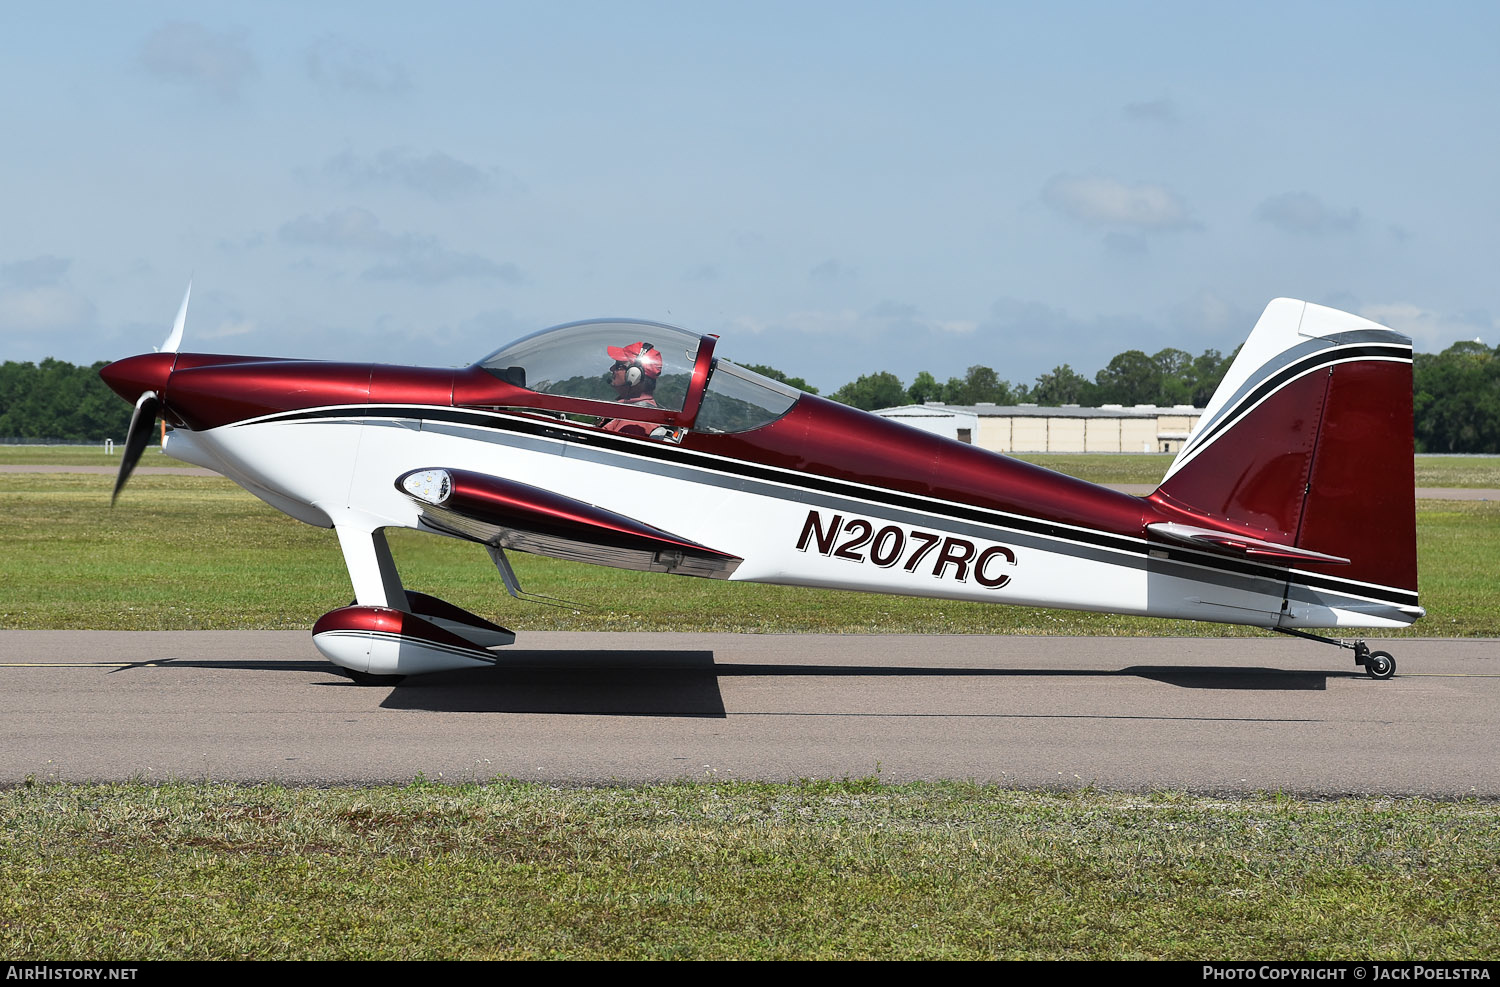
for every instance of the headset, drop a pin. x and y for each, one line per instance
(634, 373)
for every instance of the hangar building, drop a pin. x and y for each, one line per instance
(1029, 428)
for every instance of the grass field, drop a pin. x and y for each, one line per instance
(187, 552)
(79, 456)
(1431, 471)
(1459, 471)
(841, 870)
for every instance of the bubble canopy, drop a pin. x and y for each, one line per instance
(575, 361)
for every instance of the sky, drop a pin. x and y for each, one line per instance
(833, 188)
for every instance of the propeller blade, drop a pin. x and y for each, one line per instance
(175, 340)
(142, 421)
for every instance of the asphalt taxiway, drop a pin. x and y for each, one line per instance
(1195, 714)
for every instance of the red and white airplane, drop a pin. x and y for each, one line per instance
(628, 444)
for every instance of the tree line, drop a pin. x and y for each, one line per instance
(1456, 393)
(1169, 377)
(56, 400)
(1457, 399)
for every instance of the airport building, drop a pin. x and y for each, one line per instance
(1028, 428)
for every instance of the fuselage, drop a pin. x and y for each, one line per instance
(824, 495)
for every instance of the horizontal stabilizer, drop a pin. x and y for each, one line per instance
(510, 515)
(1229, 543)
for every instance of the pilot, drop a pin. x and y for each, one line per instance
(633, 376)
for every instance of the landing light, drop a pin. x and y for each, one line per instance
(431, 486)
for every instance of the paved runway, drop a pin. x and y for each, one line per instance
(1197, 714)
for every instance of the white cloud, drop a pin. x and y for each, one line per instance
(831, 270)
(35, 271)
(429, 264)
(1109, 202)
(351, 227)
(1207, 315)
(888, 308)
(891, 319)
(409, 256)
(1303, 212)
(239, 244)
(1031, 334)
(43, 309)
(1125, 243)
(229, 328)
(824, 323)
(189, 53)
(1162, 111)
(436, 174)
(747, 324)
(1432, 332)
(331, 61)
(887, 320)
(34, 297)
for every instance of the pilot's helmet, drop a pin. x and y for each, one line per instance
(640, 359)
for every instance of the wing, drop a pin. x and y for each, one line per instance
(506, 514)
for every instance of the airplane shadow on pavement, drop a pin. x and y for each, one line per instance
(686, 683)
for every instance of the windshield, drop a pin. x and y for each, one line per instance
(622, 360)
(740, 399)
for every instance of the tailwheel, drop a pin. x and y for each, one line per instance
(1380, 665)
(1377, 664)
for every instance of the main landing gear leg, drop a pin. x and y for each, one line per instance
(376, 584)
(371, 568)
(1377, 664)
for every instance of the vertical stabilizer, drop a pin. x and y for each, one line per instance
(1308, 442)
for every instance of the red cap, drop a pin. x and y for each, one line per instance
(642, 355)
